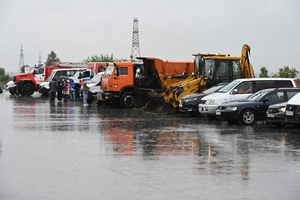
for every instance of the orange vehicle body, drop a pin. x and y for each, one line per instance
(128, 79)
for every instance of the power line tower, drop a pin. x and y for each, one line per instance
(135, 51)
(40, 59)
(21, 61)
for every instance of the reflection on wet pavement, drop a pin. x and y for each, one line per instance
(67, 151)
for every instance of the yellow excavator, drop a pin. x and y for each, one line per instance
(210, 70)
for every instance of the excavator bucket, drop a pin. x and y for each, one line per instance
(154, 103)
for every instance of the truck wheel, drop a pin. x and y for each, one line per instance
(248, 117)
(28, 89)
(127, 100)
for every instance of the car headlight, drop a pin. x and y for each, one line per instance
(210, 102)
(282, 109)
(191, 99)
(231, 108)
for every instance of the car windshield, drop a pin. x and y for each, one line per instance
(228, 87)
(256, 96)
(213, 89)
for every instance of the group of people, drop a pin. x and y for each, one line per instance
(63, 88)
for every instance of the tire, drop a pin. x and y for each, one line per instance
(127, 100)
(248, 117)
(28, 89)
(13, 91)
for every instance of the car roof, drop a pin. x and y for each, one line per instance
(264, 79)
(280, 89)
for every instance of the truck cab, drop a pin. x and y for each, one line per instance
(119, 85)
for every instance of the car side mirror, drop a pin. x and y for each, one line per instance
(234, 91)
(266, 100)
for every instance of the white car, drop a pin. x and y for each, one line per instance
(240, 89)
(292, 111)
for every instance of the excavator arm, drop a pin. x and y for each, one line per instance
(246, 66)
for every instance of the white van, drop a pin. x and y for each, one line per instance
(57, 73)
(240, 89)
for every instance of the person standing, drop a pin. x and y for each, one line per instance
(66, 90)
(53, 85)
(72, 90)
(85, 93)
(60, 89)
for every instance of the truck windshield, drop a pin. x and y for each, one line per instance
(209, 67)
(197, 61)
(109, 70)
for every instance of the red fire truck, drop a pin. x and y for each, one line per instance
(27, 83)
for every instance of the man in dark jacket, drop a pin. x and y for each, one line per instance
(53, 85)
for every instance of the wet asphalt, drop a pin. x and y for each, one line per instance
(64, 150)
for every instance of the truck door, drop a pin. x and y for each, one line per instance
(122, 77)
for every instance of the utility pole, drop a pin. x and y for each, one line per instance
(21, 61)
(135, 51)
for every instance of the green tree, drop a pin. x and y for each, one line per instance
(101, 58)
(52, 57)
(4, 78)
(263, 72)
(287, 72)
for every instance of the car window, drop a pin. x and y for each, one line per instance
(290, 94)
(260, 85)
(275, 97)
(284, 83)
(244, 88)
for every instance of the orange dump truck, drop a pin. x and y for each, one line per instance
(125, 82)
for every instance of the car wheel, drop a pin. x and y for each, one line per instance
(127, 100)
(248, 117)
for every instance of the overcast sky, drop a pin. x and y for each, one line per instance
(168, 29)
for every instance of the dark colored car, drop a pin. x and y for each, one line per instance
(255, 106)
(292, 111)
(276, 114)
(189, 103)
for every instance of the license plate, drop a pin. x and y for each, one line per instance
(289, 113)
(271, 115)
(218, 113)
